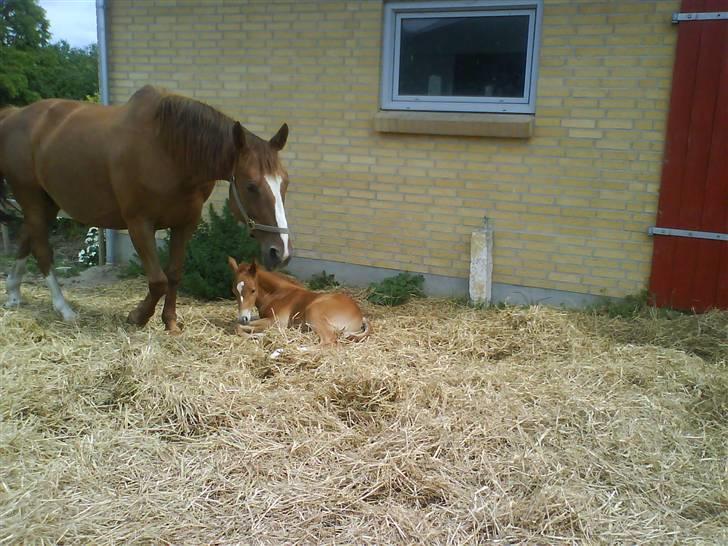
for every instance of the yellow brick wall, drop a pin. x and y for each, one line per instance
(570, 206)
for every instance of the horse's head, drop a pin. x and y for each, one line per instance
(259, 185)
(244, 288)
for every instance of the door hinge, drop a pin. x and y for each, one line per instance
(704, 16)
(688, 233)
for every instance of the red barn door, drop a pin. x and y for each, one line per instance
(690, 259)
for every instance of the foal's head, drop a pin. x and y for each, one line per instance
(261, 183)
(244, 288)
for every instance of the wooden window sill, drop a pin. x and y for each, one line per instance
(454, 123)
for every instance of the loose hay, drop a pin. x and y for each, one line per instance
(449, 425)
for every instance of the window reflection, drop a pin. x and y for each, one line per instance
(464, 56)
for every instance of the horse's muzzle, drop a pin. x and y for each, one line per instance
(272, 258)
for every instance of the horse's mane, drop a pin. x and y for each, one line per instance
(197, 135)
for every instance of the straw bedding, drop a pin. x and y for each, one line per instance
(450, 425)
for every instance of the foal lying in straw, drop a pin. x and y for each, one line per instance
(282, 301)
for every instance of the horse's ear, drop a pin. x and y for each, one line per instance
(233, 264)
(238, 136)
(252, 268)
(280, 138)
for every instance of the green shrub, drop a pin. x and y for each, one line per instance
(322, 281)
(68, 229)
(207, 274)
(634, 306)
(396, 290)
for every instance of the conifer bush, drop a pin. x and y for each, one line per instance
(207, 274)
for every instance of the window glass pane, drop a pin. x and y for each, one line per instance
(481, 56)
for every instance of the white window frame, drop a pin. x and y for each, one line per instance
(395, 12)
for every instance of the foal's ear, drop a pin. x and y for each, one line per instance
(252, 268)
(280, 138)
(238, 136)
(233, 264)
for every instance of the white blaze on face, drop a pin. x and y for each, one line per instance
(242, 313)
(275, 187)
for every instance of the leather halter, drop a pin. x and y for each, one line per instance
(247, 220)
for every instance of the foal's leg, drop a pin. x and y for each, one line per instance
(256, 326)
(15, 277)
(142, 235)
(178, 241)
(325, 331)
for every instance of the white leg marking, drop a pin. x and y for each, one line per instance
(13, 283)
(275, 186)
(59, 302)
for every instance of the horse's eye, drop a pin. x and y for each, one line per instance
(252, 188)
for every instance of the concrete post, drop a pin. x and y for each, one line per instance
(481, 263)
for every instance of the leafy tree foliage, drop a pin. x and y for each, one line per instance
(23, 24)
(31, 68)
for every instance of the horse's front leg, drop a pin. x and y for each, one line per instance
(178, 241)
(142, 235)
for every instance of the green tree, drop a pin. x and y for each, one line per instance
(31, 68)
(23, 24)
(65, 72)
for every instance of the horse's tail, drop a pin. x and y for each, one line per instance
(362, 334)
(6, 205)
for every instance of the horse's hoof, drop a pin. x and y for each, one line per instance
(136, 319)
(173, 330)
(69, 316)
(11, 304)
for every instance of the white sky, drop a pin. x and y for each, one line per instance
(71, 20)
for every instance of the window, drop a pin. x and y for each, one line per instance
(461, 56)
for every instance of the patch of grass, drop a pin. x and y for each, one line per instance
(397, 290)
(322, 281)
(633, 306)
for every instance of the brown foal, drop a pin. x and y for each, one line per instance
(283, 301)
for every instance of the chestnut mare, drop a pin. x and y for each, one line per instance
(283, 301)
(145, 165)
